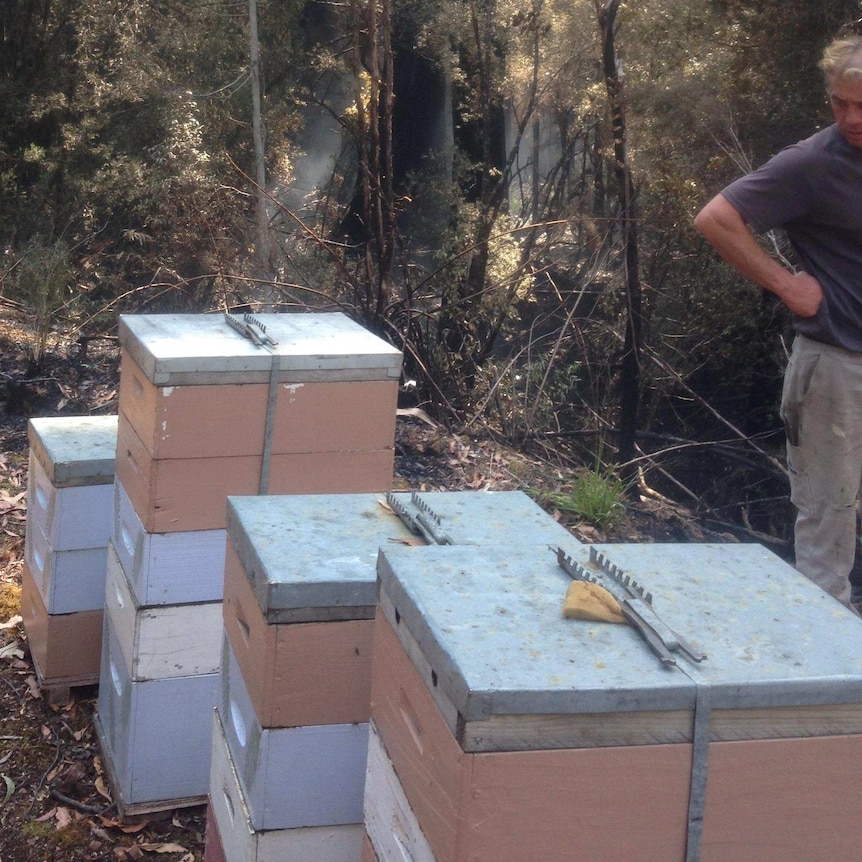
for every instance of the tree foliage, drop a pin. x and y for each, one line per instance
(446, 172)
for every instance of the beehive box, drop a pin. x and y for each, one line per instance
(392, 831)
(299, 601)
(68, 581)
(167, 568)
(313, 413)
(71, 473)
(69, 509)
(161, 641)
(300, 589)
(154, 734)
(65, 648)
(239, 842)
(292, 777)
(516, 734)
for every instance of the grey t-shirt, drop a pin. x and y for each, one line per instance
(813, 190)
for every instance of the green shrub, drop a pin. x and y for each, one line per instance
(594, 497)
(40, 281)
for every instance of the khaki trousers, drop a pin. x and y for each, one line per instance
(821, 408)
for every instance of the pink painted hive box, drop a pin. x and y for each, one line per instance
(306, 406)
(65, 648)
(300, 587)
(516, 734)
(299, 602)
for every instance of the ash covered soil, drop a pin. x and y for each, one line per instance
(55, 801)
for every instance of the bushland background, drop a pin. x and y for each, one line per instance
(504, 190)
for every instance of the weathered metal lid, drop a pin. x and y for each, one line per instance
(75, 450)
(198, 349)
(485, 517)
(304, 552)
(487, 622)
(312, 557)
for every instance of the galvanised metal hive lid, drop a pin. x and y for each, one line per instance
(312, 553)
(485, 623)
(75, 450)
(320, 551)
(479, 517)
(182, 349)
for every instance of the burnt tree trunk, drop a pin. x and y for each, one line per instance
(630, 390)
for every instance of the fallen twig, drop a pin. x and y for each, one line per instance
(80, 806)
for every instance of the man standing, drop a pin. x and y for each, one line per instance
(813, 190)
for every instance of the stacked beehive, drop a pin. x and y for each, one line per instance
(500, 730)
(306, 404)
(69, 518)
(291, 731)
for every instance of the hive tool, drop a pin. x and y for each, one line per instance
(635, 603)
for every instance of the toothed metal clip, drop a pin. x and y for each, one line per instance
(424, 522)
(430, 521)
(250, 327)
(635, 603)
(401, 510)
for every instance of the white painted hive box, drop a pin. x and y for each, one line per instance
(154, 734)
(69, 509)
(69, 493)
(167, 568)
(239, 842)
(161, 641)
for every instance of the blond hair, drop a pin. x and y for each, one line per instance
(842, 59)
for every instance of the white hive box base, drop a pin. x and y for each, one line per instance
(392, 830)
(162, 641)
(154, 734)
(167, 568)
(295, 776)
(242, 843)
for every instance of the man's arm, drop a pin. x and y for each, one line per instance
(725, 229)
